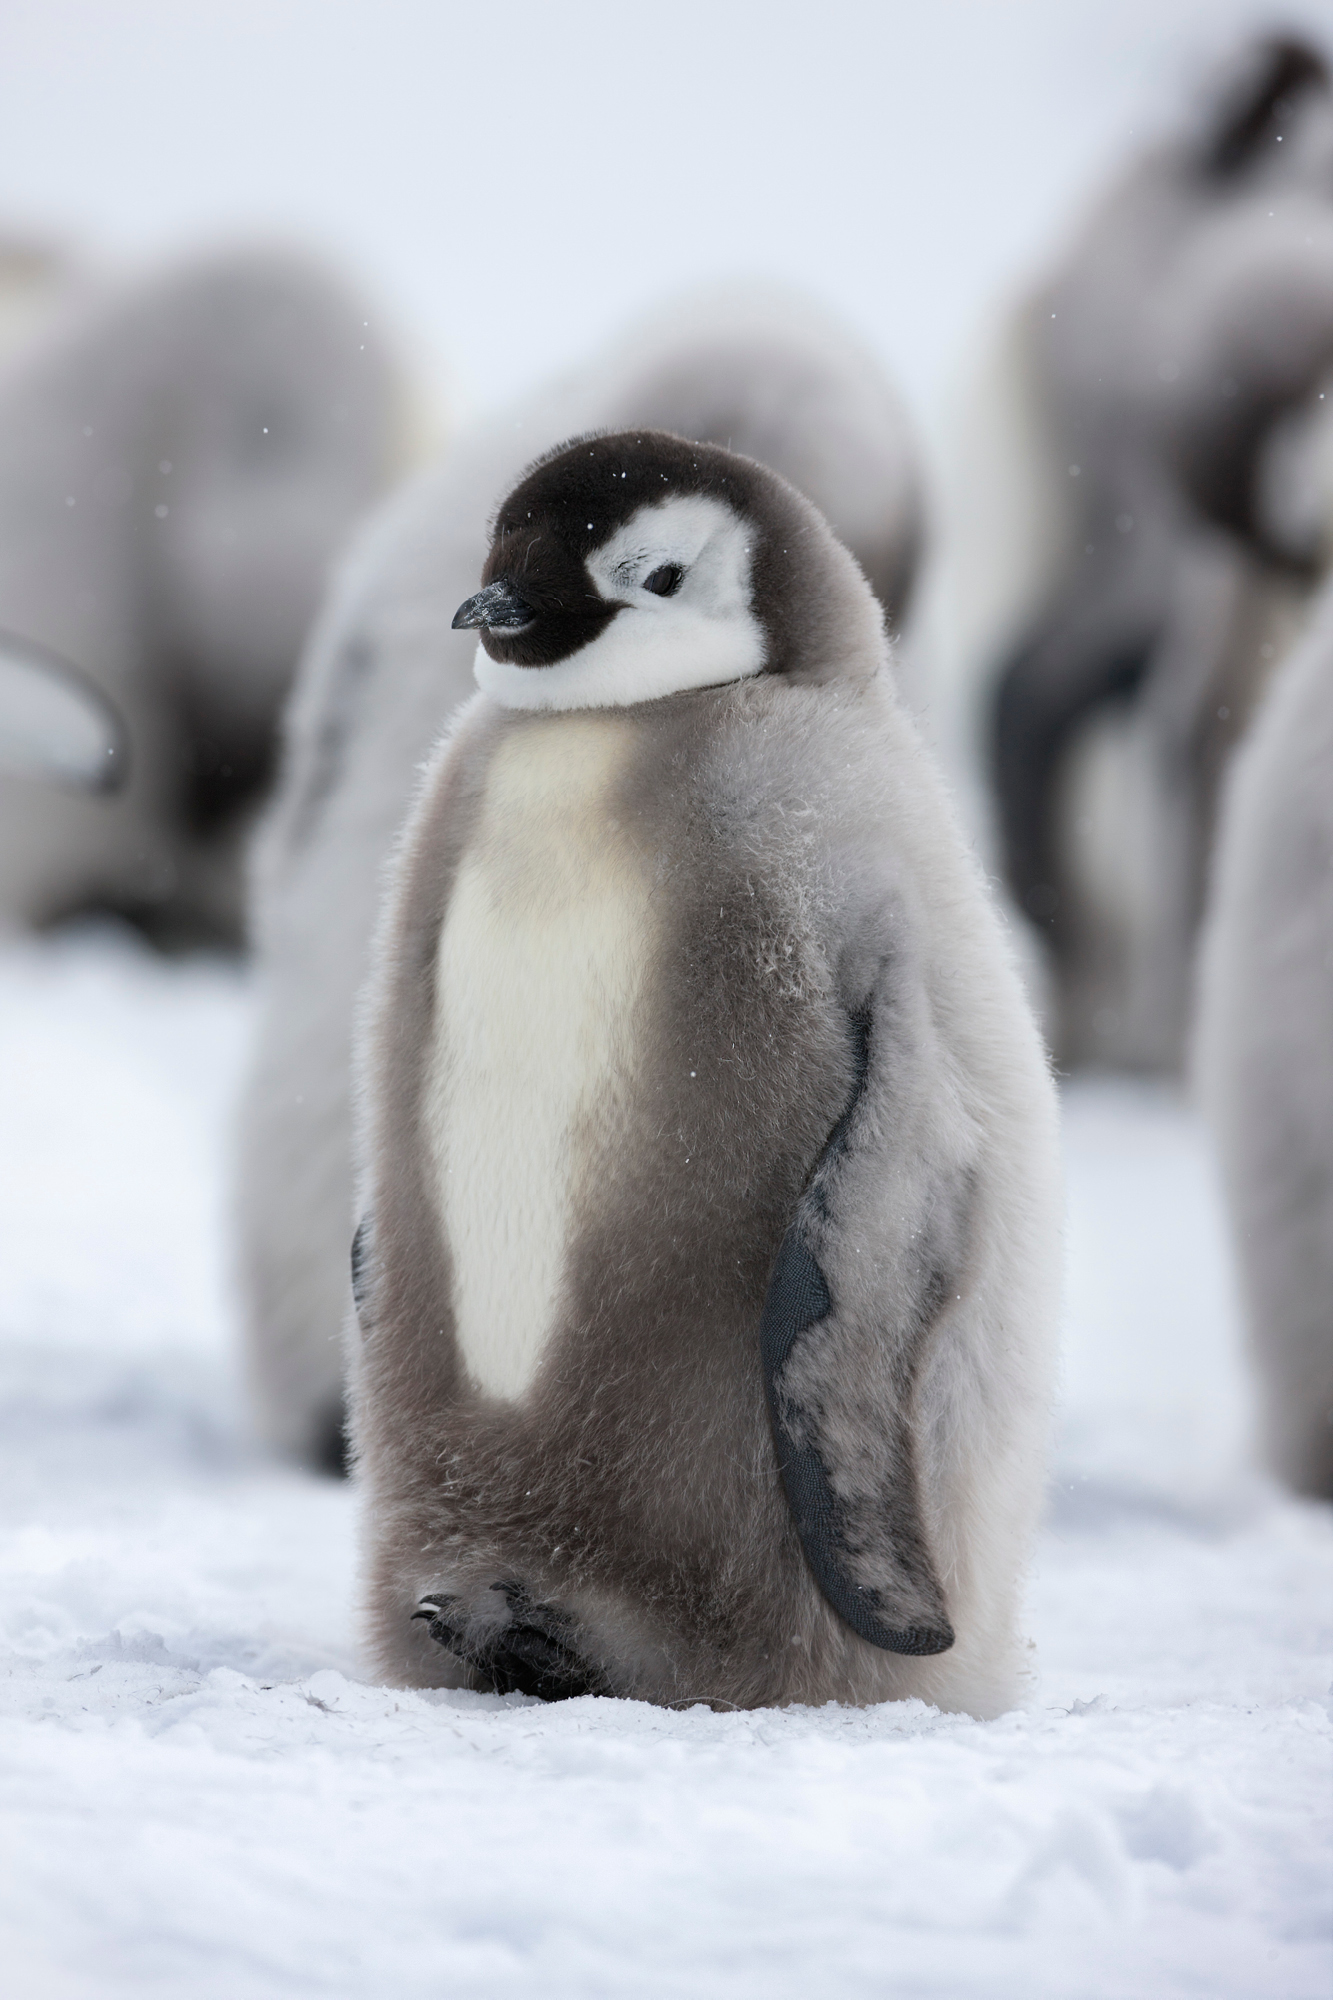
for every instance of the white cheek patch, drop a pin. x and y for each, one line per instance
(51, 725)
(704, 635)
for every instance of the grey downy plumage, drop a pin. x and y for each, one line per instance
(708, 1267)
(383, 673)
(1264, 1055)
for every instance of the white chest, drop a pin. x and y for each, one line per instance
(540, 970)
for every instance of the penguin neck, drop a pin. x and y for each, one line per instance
(636, 659)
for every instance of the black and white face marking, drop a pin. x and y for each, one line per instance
(621, 571)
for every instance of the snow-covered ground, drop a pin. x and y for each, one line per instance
(198, 1795)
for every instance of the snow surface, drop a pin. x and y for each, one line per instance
(199, 1796)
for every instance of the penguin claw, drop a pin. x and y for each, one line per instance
(434, 1608)
(528, 1654)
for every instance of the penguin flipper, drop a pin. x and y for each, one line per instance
(1086, 654)
(863, 1275)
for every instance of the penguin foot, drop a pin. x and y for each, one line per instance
(528, 1652)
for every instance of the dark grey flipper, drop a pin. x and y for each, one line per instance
(863, 1538)
(529, 1652)
(1261, 105)
(1082, 660)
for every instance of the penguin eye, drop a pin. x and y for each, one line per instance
(665, 580)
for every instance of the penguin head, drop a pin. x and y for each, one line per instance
(629, 567)
(1247, 306)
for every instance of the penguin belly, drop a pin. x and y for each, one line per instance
(540, 970)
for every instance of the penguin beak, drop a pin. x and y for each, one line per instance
(499, 608)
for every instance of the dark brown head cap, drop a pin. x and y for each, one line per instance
(678, 546)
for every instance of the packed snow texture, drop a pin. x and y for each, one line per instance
(201, 1795)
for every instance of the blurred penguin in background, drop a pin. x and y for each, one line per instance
(1265, 1050)
(180, 458)
(1169, 397)
(55, 727)
(769, 376)
(35, 274)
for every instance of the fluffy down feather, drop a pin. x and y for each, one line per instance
(381, 677)
(1265, 1051)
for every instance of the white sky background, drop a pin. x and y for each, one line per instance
(512, 181)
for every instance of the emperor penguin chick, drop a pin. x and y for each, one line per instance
(708, 1265)
(1265, 1051)
(382, 676)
